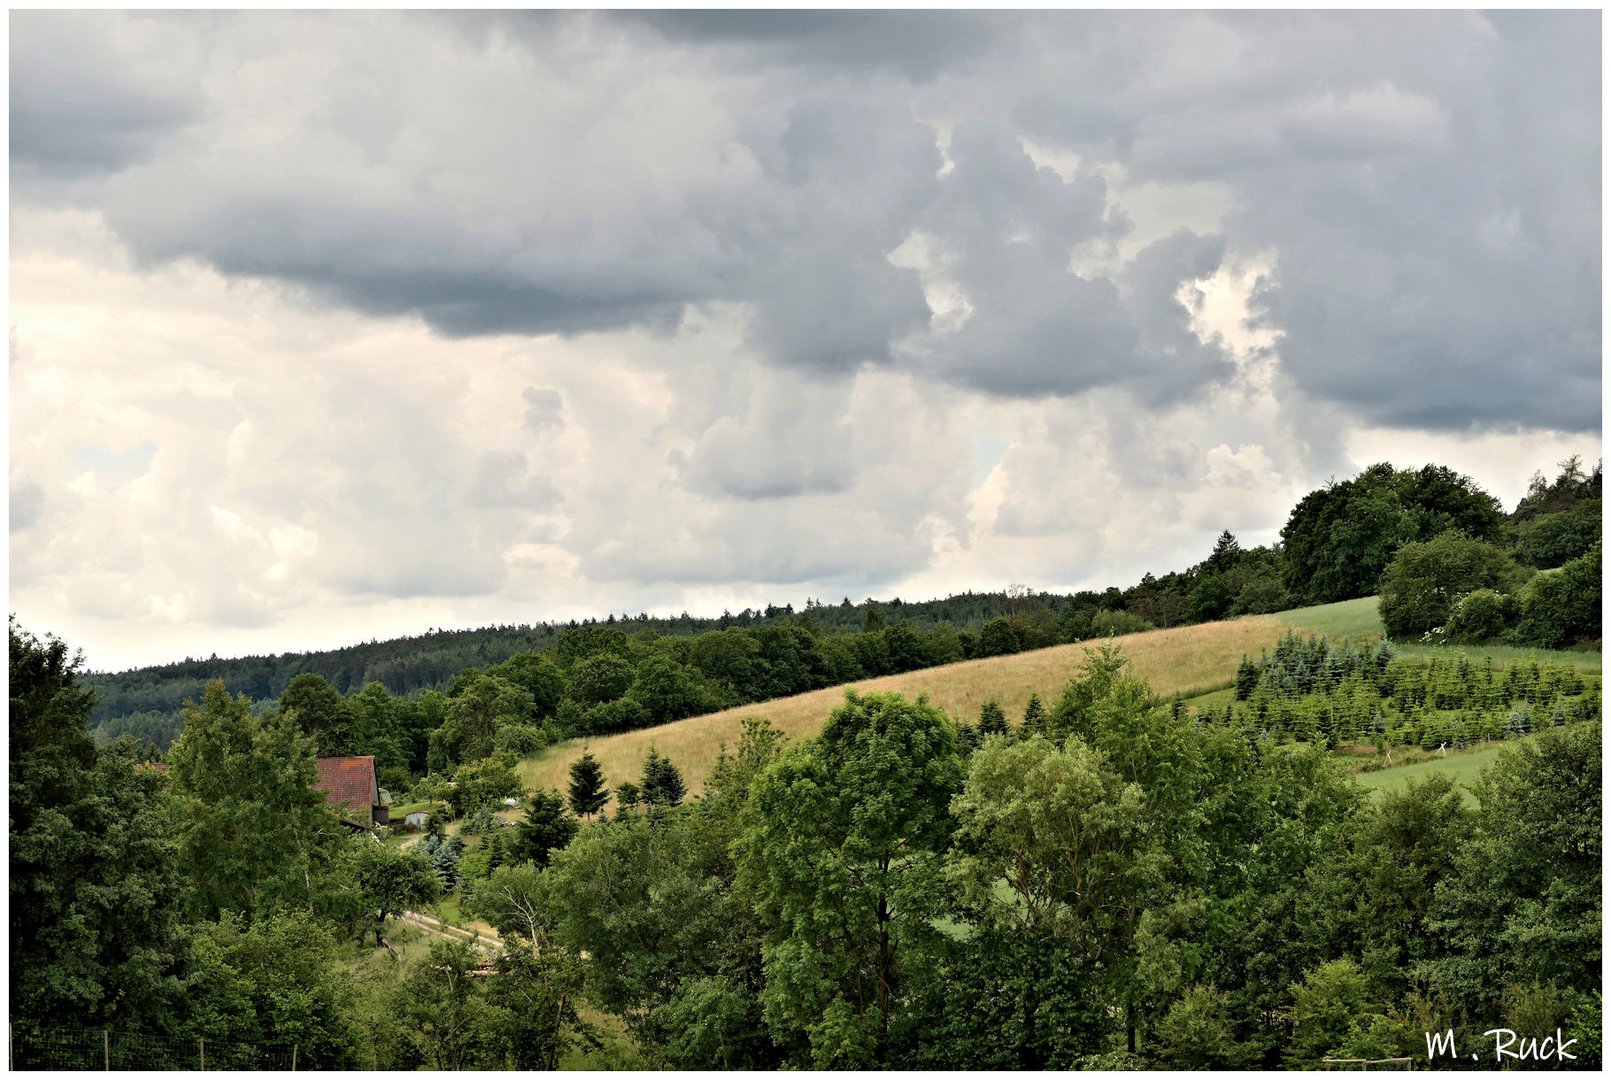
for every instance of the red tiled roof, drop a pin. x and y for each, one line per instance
(348, 781)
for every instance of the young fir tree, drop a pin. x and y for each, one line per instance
(1247, 677)
(992, 721)
(662, 784)
(547, 828)
(1034, 716)
(587, 792)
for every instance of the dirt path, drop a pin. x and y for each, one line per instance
(451, 933)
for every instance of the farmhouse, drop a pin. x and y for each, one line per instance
(351, 790)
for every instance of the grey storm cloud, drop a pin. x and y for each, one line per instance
(87, 103)
(917, 44)
(1425, 184)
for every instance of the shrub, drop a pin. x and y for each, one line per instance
(394, 778)
(1260, 596)
(519, 739)
(484, 783)
(998, 638)
(1480, 615)
(1562, 606)
(1422, 582)
(1555, 539)
(1114, 623)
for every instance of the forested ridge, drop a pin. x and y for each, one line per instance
(1338, 543)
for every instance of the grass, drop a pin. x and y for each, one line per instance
(1361, 621)
(434, 806)
(1584, 663)
(1196, 661)
(1190, 659)
(1355, 620)
(1463, 767)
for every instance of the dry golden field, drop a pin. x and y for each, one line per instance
(1187, 659)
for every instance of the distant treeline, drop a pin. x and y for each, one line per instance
(1336, 545)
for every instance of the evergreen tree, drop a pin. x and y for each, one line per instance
(546, 829)
(1034, 716)
(662, 784)
(992, 721)
(1226, 549)
(587, 792)
(1247, 677)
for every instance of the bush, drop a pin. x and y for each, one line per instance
(625, 714)
(1481, 615)
(519, 739)
(395, 779)
(484, 783)
(1261, 596)
(1420, 585)
(1562, 606)
(1114, 623)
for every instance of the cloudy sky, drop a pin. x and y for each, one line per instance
(326, 327)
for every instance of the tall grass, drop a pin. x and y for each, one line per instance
(1355, 620)
(1191, 659)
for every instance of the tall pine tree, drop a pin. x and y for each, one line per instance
(1034, 716)
(587, 792)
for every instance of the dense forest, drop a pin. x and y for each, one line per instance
(1425, 538)
(1110, 882)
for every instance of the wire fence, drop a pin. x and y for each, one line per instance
(105, 1049)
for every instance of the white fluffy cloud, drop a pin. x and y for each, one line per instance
(310, 343)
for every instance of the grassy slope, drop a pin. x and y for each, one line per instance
(1357, 620)
(1360, 620)
(1464, 768)
(1200, 659)
(1187, 659)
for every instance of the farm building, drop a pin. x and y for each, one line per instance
(351, 790)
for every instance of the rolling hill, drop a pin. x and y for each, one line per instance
(1188, 659)
(1196, 661)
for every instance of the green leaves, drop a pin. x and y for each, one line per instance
(391, 882)
(841, 857)
(1065, 833)
(254, 833)
(547, 828)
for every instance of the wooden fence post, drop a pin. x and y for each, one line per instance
(293, 1057)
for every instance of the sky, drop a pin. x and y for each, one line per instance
(327, 327)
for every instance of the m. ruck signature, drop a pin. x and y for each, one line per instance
(1507, 1044)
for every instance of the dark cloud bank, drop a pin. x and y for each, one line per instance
(1427, 184)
